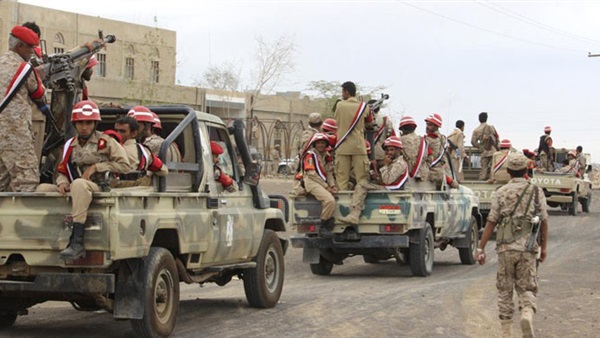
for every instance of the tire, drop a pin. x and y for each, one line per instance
(7, 319)
(323, 268)
(421, 253)
(160, 286)
(573, 205)
(284, 170)
(586, 203)
(264, 283)
(467, 255)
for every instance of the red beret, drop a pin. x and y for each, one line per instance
(26, 35)
(215, 148)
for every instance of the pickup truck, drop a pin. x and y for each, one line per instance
(405, 224)
(142, 242)
(564, 190)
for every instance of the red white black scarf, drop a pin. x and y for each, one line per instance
(363, 106)
(420, 156)
(500, 163)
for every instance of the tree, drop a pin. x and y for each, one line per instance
(331, 92)
(274, 60)
(225, 77)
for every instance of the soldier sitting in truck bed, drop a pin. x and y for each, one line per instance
(394, 174)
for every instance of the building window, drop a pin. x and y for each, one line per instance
(129, 68)
(154, 71)
(59, 50)
(101, 65)
(59, 39)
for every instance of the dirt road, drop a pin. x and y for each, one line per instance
(374, 300)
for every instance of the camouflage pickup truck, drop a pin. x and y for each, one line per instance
(142, 242)
(564, 190)
(406, 225)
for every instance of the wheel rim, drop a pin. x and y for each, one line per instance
(428, 253)
(271, 270)
(164, 290)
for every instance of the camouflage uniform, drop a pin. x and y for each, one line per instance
(154, 142)
(581, 164)
(304, 138)
(108, 156)
(18, 161)
(457, 155)
(315, 185)
(351, 153)
(546, 153)
(437, 144)
(500, 175)
(386, 129)
(480, 139)
(516, 266)
(411, 143)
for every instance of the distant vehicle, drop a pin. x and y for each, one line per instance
(287, 166)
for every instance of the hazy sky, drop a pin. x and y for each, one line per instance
(524, 62)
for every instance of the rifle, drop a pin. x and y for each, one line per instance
(376, 104)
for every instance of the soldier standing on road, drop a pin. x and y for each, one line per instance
(546, 151)
(581, 161)
(88, 159)
(514, 208)
(319, 182)
(350, 151)
(275, 158)
(416, 149)
(20, 83)
(457, 149)
(394, 174)
(485, 138)
(499, 173)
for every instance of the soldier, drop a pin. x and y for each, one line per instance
(415, 150)
(394, 174)
(546, 151)
(141, 159)
(319, 182)
(581, 161)
(485, 138)
(385, 130)
(275, 158)
(150, 126)
(350, 152)
(20, 83)
(515, 206)
(457, 149)
(531, 155)
(438, 144)
(314, 122)
(499, 173)
(220, 176)
(88, 158)
(570, 164)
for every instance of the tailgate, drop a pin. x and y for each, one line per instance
(555, 182)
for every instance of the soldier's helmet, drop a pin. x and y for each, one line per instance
(368, 145)
(436, 119)
(407, 120)
(85, 111)
(392, 141)
(547, 129)
(517, 161)
(572, 153)
(329, 125)
(318, 137)
(215, 148)
(141, 114)
(332, 140)
(315, 118)
(157, 123)
(505, 144)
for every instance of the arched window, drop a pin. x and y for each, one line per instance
(59, 43)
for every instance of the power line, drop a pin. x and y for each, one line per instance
(488, 30)
(505, 11)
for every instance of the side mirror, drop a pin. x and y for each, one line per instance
(252, 175)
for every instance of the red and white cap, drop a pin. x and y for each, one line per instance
(141, 114)
(319, 137)
(547, 129)
(392, 141)
(332, 139)
(157, 123)
(215, 148)
(505, 144)
(368, 145)
(572, 152)
(329, 125)
(407, 120)
(435, 119)
(85, 111)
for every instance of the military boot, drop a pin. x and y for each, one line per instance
(527, 322)
(506, 326)
(326, 227)
(352, 218)
(75, 249)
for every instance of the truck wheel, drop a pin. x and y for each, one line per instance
(421, 253)
(573, 205)
(586, 202)
(467, 255)
(160, 295)
(263, 284)
(7, 319)
(323, 268)
(284, 170)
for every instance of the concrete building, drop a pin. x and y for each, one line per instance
(139, 68)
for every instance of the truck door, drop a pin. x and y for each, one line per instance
(234, 216)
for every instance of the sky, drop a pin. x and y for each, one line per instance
(524, 62)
